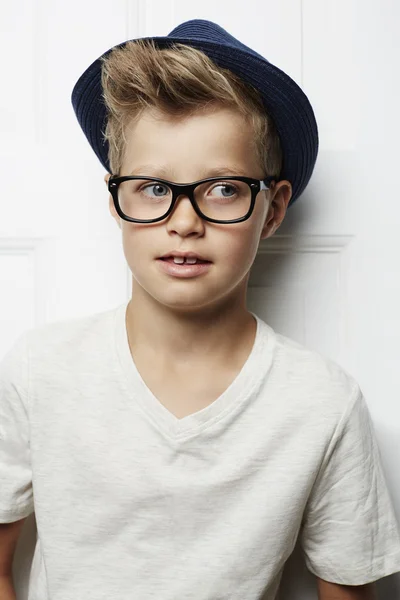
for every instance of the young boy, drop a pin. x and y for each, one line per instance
(176, 446)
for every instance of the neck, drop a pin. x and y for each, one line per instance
(184, 338)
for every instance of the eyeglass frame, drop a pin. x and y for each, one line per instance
(255, 185)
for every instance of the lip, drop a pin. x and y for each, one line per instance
(184, 255)
(183, 271)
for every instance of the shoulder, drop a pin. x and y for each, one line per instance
(69, 337)
(310, 381)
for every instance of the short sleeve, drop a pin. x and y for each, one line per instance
(16, 495)
(349, 533)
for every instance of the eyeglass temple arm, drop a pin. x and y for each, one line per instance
(265, 184)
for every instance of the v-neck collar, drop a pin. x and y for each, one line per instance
(246, 382)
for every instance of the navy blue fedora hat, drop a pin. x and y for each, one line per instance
(284, 100)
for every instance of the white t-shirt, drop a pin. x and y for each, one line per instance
(132, 502)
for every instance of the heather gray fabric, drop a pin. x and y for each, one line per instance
(132, 502)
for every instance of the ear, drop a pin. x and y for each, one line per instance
(280, 195)
(111, 205)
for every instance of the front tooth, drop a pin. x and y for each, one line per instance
(191, 261)
(179, 260)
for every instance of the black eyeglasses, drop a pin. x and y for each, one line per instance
(143, 199)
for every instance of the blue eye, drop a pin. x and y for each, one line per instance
(226, 186)
(158, 187)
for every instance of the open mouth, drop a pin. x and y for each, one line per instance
(184, 269)
(170, 259)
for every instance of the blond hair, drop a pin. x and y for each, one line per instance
(179, 81)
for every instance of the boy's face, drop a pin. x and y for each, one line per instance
(187, 149)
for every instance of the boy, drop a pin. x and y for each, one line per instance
(177, 446)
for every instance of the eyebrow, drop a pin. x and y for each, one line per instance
(160, 171)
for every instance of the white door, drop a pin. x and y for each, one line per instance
(329, 276)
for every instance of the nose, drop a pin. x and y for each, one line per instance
(185, 201)
(183, 217)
